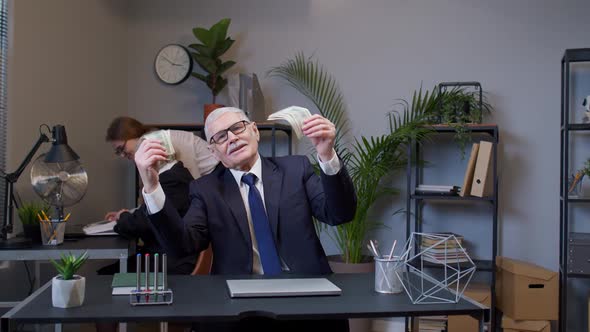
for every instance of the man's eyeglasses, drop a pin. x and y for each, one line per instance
(221, 136)
(120, 150)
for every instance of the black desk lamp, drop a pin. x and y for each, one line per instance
(60, 152)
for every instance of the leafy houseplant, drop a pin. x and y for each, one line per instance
(69, 264)
(68, 289)
(576, 180)
(29, 213)
(368, 159)
(214, 42)
(457, 108)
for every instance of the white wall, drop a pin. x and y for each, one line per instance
(67, 65)
(82, 62)
(382, 50)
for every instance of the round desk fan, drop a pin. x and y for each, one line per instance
(59, 184)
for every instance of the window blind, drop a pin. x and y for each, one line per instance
(3, 110)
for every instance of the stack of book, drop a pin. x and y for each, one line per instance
(448, 251)
(432, 323)
(428, 189)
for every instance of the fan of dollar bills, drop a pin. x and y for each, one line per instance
(294, 116)
(163, 136)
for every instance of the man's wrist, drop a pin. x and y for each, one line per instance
(154, 201)
(149, 189)
(327, 157)
(330, 166)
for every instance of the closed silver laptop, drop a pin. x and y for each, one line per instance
(281, 287)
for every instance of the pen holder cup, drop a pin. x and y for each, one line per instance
(387, 275)
(52, 232)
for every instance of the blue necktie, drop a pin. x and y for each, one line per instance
(266, 245)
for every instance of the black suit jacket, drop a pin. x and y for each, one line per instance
(293, 194)
(175, 183)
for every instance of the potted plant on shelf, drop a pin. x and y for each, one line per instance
(458, 107)
(575, 188)
(29, 214)
(368, 159)
(68, 288)
(207, 54)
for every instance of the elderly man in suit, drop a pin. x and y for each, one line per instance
(256, 212)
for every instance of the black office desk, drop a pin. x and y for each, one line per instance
(205, 298)
(98, 247)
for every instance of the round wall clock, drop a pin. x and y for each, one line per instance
(173, 64)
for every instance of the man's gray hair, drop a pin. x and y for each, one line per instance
(219, 112)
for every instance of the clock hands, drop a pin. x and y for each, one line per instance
(172, 63)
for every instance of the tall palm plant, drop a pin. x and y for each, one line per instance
(368, 159)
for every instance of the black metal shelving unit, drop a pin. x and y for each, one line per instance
(415, 202)
(570, 56)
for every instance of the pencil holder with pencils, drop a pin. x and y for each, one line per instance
(52, 232)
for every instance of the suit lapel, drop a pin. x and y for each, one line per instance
(272, 181)
(233, 198)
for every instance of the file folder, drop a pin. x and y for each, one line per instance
(482, 184)
(470, 171)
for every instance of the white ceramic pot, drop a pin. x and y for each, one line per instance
(68, 293)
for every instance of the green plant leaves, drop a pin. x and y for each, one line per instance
(203, 35)
(457, 108)
(224, 67)
(29, 212)
(214, 43)
(200, 76)
(201, 49)
(219, 31)
(368, 159)
(223, 46)
(220, 84)
(69, 264)
(309, 78)
(206, 63)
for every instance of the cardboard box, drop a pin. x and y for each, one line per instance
(465, 323)
(526, 291)
(511, 325)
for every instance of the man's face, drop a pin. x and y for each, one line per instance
(239, 150)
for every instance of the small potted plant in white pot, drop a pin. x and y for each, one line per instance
(68, 288)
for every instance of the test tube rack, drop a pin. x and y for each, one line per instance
(159, 293)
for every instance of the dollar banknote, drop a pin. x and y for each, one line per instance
(294, 116)
(162, 136)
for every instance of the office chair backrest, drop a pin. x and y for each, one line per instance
(204, 262)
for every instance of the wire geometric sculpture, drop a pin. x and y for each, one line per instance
(444, 252)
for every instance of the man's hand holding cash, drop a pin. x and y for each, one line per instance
(320, 130)
(155, 149)
(162, 136)
(294, 116)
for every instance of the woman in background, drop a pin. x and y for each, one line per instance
(192, 159)
(124, 134)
